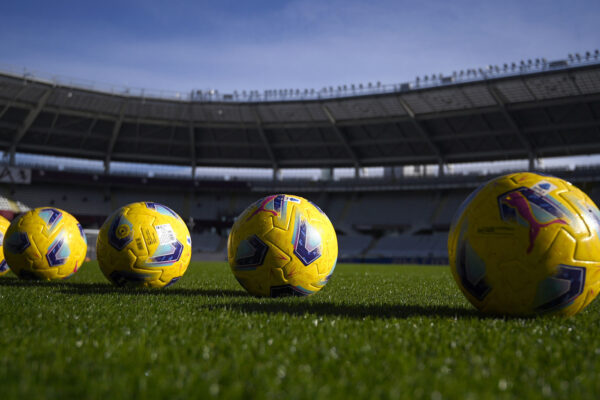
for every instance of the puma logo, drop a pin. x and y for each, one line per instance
(261, 207)
(518, 201)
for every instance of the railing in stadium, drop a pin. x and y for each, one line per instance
(406, 172)
(329, 92)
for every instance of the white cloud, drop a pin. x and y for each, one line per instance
(308, 44)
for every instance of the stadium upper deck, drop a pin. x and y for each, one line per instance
(549, 110)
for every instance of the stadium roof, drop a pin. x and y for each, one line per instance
(553, 111)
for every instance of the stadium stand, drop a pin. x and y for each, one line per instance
(382, 210)
(449, 201)
(550, 109)
(353, 246)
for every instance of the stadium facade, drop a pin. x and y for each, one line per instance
(520, 112)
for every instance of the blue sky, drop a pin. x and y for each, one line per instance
(184, 45)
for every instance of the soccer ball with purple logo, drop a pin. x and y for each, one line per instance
(144, 244)
(45, 244)
(526, 244)
(282, 245)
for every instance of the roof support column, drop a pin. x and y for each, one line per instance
(192, 149)
(113, 138)
(13, 100)
(27, 124)
(342, 138)
(326, 174)
(441, 169)
(192, 133)
(514, 126)
(424, 133)
(265, 140)
(531, 166)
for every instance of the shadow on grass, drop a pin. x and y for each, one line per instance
(356, 311)
(87, 289)
(269, 306)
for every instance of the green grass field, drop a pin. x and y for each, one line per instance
(372, 332)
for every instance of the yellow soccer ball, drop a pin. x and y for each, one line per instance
(282, 245)
(144, 244)
(526, 244)
(4, 224)
(45, 243)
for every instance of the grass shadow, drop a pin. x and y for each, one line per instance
(269, 306)
(88, 289)
(354, 311)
